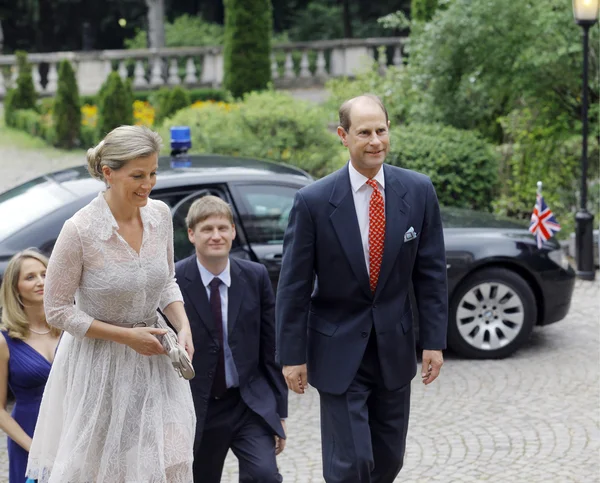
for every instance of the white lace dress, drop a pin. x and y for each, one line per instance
(109, 414)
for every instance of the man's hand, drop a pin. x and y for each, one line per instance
(432, 363)
(280, 442)
(296, 378)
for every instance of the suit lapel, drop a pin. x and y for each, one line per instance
(235, 295)
(196, 292)
(396, 220)
(345, 224)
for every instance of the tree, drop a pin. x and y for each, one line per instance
(247, 50)
(114, 105)
(156, 23)
(67, 110)
(423, 10)
(513, 72)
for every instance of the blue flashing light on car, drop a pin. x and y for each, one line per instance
(181, 141)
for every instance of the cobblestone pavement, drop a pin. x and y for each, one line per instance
(534, 417)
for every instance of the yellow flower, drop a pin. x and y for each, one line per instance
(89, 115)
(143, 113)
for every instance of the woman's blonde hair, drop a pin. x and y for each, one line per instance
(14, 319)
(122, 144)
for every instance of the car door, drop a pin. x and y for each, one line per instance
(264, 211)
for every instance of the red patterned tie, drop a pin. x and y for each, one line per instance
(376, 233)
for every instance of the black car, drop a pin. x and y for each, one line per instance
(500, 283)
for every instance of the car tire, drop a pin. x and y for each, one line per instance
(492, 313)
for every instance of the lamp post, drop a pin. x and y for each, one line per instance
(586, 15)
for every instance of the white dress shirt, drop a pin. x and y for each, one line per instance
(361, 192)
(231, 375)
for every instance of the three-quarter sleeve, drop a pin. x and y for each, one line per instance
(171, 293)
(62, 280)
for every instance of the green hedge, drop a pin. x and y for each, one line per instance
(32, 123)
(266, 125)
(463, 167)
(202, 94)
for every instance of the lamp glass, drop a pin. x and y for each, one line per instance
(585, 10)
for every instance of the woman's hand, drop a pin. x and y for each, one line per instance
(143, 340)
(184, 337)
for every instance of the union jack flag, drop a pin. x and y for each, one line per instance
(543, 224)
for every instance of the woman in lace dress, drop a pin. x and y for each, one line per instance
(114, 409)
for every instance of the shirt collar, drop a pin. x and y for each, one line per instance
(207, 277)
(106, 225)
(358, 180)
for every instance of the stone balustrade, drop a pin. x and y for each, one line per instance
(294, 65)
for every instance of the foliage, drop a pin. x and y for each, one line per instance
(67, 111)
(394, 21)
(265, 125)
(184, 31)
(25, 96)
(472, 69)
(9, 110)
(33, 123)
(114, 106)
(199, 94)
(318, 21)
(543, 152)
(423, 10)
(462, 166)
(175, 100)
(393, 87)
(247, 49)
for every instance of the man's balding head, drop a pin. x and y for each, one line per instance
(364, 100)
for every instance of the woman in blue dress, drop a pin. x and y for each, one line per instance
(27, 348)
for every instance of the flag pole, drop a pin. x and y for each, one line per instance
(539, 188)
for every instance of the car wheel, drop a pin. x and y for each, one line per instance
(492, 313)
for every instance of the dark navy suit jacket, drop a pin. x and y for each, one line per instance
(327, 325)
(251, 330)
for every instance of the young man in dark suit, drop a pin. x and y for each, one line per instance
(239, 392)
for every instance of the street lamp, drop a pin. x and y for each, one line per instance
(586, 15)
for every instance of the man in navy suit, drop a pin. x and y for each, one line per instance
(355, 242)
(239, 391)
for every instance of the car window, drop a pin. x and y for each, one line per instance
(21, 206)
(182, 246)
(267, 211)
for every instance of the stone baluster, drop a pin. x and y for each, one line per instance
(274, 67)
(139, 75)
(397, 59)
(321, 64)
(107, 68)
(337, 64)
(52, 85)
(190, 72)
(289, 66)
(156, 78)
(37, 78)
(209, 74)
(174, 73)
(122, 70)
(304, 66)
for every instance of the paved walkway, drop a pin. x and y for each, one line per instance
(531, 418)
